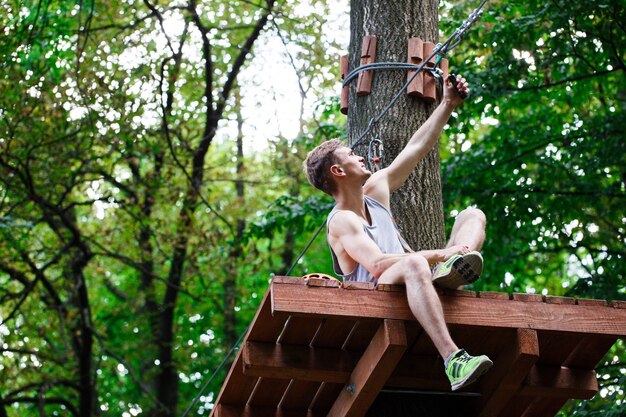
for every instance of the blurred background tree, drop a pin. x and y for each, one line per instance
(149, 186)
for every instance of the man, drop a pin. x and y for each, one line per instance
(366, 246)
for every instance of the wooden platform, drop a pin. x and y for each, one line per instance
(317, 349)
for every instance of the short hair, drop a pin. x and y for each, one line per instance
(318, 162)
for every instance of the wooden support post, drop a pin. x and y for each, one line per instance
(509, 371)
(248, 411)
(415, 56)
(368, 56)
(345, 92)
(371, 372)
(430, 83)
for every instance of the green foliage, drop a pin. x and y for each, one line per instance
(107, 116)
(103, 114)
(540, 148)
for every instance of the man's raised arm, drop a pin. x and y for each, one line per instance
(423, 139)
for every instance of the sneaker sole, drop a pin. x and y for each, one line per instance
(464, 271)
(470, 378)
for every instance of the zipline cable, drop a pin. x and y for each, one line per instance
(219, 368)
(440, 49)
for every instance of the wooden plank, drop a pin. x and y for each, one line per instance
(372, 370)
(591, 302)
(560, 382)
(299, 330)
(423, 345)
(238, 387)
(557, 346)
(354, 285)
(550, 299)
(268, 391)
(588, 352)
(361, 335)
(508, 373)
(391, 287)
(222, 410)
(333, 333)
(482, 340)
(325, 397)
(281, 279)
(528, 298)
(477, 312)
(458, 293)
(266, 326)
(297, 362)
(494, 295)
(299, 395)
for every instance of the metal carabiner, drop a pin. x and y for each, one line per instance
(375, 151)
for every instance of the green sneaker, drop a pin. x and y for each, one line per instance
(459, 270)
(463, 369)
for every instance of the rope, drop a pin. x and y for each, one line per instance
(219, 368)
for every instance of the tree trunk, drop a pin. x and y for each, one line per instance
(417, 206)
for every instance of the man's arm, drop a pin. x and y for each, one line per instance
(346, 234)
(418, 146)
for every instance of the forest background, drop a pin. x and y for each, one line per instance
(150, 180)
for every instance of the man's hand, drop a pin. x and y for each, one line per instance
(450, 94)
(447, 253)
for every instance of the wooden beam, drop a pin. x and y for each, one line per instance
(297, 362)
(356, 304)
(377, 363)
(560, 382)
(222, 410)
(510, 369)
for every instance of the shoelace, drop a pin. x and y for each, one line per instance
(463, 357)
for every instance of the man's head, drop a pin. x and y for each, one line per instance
(317, 165)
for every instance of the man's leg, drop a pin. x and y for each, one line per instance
(415, 274)
(468, 230)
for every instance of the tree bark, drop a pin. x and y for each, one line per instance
(417, 206)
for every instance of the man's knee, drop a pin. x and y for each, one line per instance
(472, 214)
(416, 267)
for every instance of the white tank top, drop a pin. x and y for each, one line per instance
(383, 231)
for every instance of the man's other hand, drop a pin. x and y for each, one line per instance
(450, 94)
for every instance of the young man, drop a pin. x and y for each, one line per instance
(366, 246)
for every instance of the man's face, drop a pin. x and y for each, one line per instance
(352, 164)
